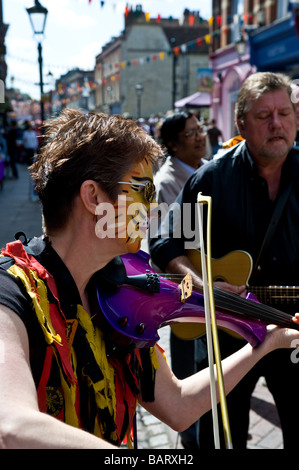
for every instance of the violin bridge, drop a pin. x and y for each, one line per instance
(186, 288)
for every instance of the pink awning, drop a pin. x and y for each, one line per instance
(196, 100)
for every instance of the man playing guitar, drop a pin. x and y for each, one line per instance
(255, 209)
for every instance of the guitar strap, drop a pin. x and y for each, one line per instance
(273, 223)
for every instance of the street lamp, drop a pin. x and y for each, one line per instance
(139, 91)
(38, 16)
(240, 46)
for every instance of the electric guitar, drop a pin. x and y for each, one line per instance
(236, 267)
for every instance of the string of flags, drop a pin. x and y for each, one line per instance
(245, 18)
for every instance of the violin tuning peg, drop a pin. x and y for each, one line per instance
(123, 321)
(140, 328)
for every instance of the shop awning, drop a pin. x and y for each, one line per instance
(197, 100)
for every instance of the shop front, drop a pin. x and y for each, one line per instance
(276, 47)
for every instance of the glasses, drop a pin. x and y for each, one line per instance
(191, 133)
(149, 189)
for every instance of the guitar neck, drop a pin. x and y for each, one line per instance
(249, 308)
(271, 295)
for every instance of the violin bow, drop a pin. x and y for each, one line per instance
(211, 328)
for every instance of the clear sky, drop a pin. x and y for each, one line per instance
(75, 33)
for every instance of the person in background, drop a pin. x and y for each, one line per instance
(12, 148)
(255, 180)
(185, 144)
(215, 136)
(30, 143)
(3, 157)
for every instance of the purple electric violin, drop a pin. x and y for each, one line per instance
(136, 302)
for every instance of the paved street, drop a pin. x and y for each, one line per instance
(17, 210)
(19, 213)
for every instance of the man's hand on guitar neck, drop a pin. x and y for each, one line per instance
(182, 265)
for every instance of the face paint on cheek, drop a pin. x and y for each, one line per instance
(112, 219)
(120, 217)
(137, 223)
(104, 214)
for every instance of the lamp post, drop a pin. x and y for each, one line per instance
(38, 16)
(174, 64)
(139, 91)
(240, 46)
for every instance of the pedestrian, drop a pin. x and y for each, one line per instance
(30, 143)
(185, 144)
(12, 148)
(254, 188)
(66, 379)
(215, 136)
(3, 157)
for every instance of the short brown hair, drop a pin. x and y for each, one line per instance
(256, 85)
(78, 147)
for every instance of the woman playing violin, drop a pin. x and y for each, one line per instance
(59, 370)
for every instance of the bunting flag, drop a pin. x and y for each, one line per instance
(191, 20)
(102, 3)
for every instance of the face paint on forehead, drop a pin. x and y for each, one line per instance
(138, 184)
(141, 171)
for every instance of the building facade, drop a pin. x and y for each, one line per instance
(74, 90)
(153, 63)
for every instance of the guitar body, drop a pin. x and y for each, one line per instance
(234, 268)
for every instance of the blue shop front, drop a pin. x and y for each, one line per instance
(275, 47)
